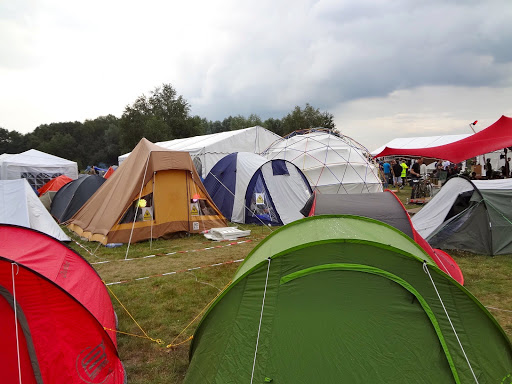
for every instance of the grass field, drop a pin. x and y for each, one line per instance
(164, 306)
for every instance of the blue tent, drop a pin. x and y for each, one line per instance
(248, 188)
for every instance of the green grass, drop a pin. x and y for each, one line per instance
(165, 305)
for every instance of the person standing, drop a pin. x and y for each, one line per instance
(403, 175)
(387, 172)
(488, 169)
(423, 169)
(507, 168)
(396, 169)
(415, 173)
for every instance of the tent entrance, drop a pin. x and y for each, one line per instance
(259, 205)
(355, 322)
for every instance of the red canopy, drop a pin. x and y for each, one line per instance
(54, 184)
(492, 138)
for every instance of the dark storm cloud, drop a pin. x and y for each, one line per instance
(332, 52)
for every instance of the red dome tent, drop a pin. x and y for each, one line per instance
(62, 308)
(54, 184)
(385, 207)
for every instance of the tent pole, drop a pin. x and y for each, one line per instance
(188, 201)
(137, 207)
(153, 215)
(15, 305)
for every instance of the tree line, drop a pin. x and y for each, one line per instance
(161, 116)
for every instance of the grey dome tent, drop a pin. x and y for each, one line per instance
(471, 215)
(346, 299)
(72, 196)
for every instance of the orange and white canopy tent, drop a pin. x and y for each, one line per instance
(154, 192)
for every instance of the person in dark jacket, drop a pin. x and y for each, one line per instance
(488, 169)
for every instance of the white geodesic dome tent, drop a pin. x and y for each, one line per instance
(331, 162)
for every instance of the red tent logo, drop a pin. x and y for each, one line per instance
(92, 365)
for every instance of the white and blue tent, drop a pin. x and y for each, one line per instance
(249, 188)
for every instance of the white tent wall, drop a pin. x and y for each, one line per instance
(19, 205)
(289, 192)
(209, 149)
(36, 166)
(332, 164)
(247, 164)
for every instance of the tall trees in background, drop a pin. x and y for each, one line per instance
(306, 118)
(163, 115)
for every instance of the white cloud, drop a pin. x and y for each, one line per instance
(374, 64)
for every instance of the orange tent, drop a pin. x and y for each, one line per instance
(54, 184)
(153, 193)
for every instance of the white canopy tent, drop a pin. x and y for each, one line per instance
(207, 150)
(420, 142)
(19, 205)
(36, 166)
(332, 163)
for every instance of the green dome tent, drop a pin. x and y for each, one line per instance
(332, 299)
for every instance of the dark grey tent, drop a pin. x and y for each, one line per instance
(385, 207)
(471, 215)
(72, 196)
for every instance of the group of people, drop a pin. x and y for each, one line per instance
(505, 169)
(396, 172)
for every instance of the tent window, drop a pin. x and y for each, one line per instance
(37, 180)
(461, 204)
(201, 207)
(261, 208)
(279, 168)
(144, 213)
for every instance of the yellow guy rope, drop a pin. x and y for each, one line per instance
(172, 345)
(158, 341)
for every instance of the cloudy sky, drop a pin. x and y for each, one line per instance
(384, 68)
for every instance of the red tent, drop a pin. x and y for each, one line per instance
(385, 207)
(109, 172)
(62, 307)
(492, 138)
(54, 184)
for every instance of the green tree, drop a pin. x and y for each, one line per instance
(5, 140)
(307, 118)
(164, 115)
(274, 125)
(99, 141)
